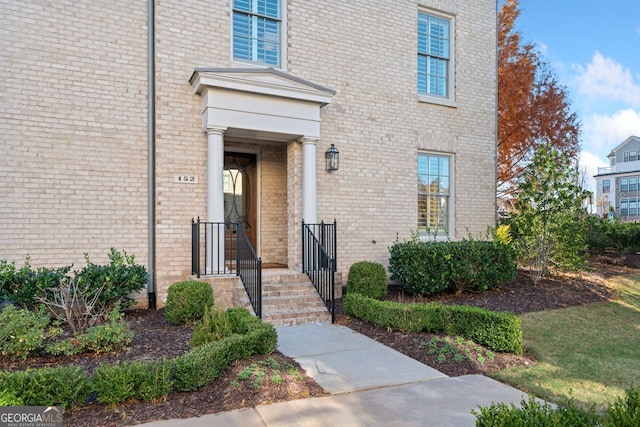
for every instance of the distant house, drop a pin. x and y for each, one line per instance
(618, 185)
(123, 121)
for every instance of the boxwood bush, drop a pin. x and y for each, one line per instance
(146, 380)
(497, 331)
(65, 386)
(368, 278)
(203, 364)
(431, 267)
(186, 301)
(143, 380)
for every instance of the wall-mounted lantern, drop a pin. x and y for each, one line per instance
(333, 158)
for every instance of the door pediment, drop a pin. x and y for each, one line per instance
(260, 100)
(265, 81)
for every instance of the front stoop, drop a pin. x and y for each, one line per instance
(288, 298)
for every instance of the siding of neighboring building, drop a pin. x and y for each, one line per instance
(74, 125)
(619, 195)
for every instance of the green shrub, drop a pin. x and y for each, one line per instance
(23, 332)
(200, 366)
(115, 281)
(8, 398)
(118, 279)
(497, 331)
(144, 380)
(23, 286)
(534, 413)
(625, 412)
(65, 386)
(368, 278)
(213, 326)
(604, 235)
(104, 338)
(203, 364)
(111, 336)
(241, 319)
(186, 301)
(431, 267)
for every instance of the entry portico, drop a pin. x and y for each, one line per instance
(260, 105)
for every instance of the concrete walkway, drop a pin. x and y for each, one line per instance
(370, 385)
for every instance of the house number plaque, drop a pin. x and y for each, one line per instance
(185, 179)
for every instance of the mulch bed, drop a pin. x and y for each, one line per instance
(155, 338)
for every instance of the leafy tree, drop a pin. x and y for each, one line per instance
(547, 221)
(533, 108)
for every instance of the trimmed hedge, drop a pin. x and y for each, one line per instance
(65, 386)
(431, 267)
(497, 331)
(368, 278)
(145, 380)
(206, 362)
(186, 301)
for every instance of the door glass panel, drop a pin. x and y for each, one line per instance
(237, 190)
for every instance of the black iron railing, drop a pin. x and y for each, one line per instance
(319, 256)
(213, 247)
(249, 268)
(224, 248)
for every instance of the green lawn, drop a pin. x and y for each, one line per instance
(590, 353)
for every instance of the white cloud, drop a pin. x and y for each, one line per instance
(589, 164)
(605, 80)
(601, 133)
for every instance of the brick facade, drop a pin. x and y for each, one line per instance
(73, 168)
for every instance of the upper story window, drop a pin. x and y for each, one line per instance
(435, 62)
(606, 185)
(434, 192)
(630, 156)
(633, 183)
(257, 31)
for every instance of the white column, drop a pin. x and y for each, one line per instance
(215, 199)
(309, 200)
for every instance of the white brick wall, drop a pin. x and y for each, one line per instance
(73, 162)
(73, 126)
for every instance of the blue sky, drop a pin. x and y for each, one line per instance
(594, 49)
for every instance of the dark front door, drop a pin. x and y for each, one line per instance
(240, 191)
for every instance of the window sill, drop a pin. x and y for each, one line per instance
(439, 101)
(440, 237)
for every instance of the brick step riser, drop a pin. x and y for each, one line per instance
(284, 279)
(268, 306)
(286, 321)
(288, 299)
